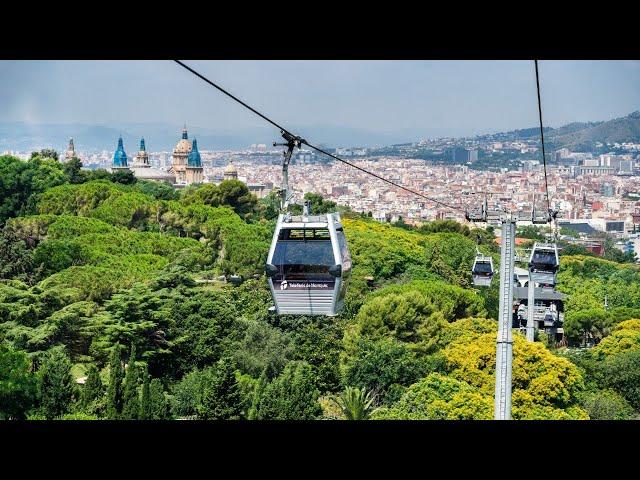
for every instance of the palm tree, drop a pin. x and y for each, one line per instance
(356, 403)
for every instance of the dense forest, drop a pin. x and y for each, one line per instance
(114, 304)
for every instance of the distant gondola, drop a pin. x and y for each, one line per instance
(308, 265)
(482, 271)
(543, 263)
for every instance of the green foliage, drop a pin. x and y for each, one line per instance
(145, 400)
(131, 210)
(125, 177)
(73, 170)
(439, 397)
(17, 384)
(21, 182)
(589, 323)
(220, 395)
(383, 367)
(114, 392)
(319, 206)
(130, 397)
(319, 343)
(416, 313)
(158, 401)
(56, 384)
(185, 395)
(291, 396)
(45, 153)
(356, 404)
(93, 391)
(232, 193)
(262, 348)
(157, 190)
(16, 260)
(606, 405)
(625, 336)
(545, 386)
(622, 373)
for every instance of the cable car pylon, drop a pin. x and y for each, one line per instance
(504, 339)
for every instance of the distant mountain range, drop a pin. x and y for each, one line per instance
(579, 136)
(22, 136)
(163, 137)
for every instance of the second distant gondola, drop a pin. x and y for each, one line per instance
(543, 263)
(482, 271)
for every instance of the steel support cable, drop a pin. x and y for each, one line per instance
(284, 130)
(544, 156)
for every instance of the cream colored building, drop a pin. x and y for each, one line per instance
(186, 164)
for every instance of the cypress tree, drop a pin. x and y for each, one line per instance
(257, 395)
(131, 400)
(145, 403)
(159, 406)
(93, 388)
(56, 383)
(114, 393)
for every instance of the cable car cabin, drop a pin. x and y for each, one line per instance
(543, 263)
(540, 217)
(309, 265)
(482, 271)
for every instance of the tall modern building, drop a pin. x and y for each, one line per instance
(463, 155)
(119, 158)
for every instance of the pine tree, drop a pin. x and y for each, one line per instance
(93, 389)
(221, 399)
(159, 406)
(131, 400)
(114, 393)
(292, 395)
(56, 383)
(145, 404)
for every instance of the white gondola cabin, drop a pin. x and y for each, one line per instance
(309, 265)
(482, 271)
(544, 263)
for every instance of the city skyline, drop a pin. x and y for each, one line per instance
(394, 100)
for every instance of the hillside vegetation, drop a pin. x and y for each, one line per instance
(119, 284)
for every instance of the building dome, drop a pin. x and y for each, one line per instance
(120, 157)
(184, 145)
(194, 156)
(230, 172)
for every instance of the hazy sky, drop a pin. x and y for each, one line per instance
(454, 97)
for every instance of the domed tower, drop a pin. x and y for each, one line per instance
(230, 172)
(119, 158)
(181, 157)
(194, 172)
(71, 151)
(142, 158)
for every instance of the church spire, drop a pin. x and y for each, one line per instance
(194, 156)
(184, 131)
(142, 147)
(71, 151)
(119, 156)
